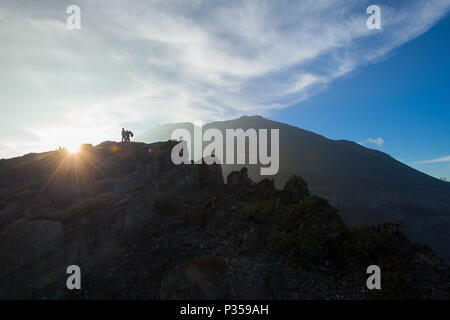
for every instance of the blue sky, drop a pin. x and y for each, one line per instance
(404, 100)
(311, 63)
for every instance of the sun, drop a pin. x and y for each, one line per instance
(73, 148)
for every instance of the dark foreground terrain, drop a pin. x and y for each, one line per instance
(140, 227)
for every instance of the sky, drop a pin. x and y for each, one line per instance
(310, 63)
(400, 105)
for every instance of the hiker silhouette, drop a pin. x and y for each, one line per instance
(126, 134)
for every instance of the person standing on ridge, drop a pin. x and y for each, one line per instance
(124, 135)
(129, 134)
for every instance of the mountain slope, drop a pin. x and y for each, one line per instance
(140, 227)
(365, 185)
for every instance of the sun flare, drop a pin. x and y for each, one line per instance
(74, 148)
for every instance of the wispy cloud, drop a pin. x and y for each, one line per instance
(172, 60)
(438, 160)
(376, 141)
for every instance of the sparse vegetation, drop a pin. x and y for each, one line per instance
(308, 231)
(302, 227)
(295, 190)
(260, 212)
(86, 207)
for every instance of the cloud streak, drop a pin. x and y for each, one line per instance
(438, 160)
(146, 62)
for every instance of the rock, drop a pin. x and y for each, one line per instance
(238, 179)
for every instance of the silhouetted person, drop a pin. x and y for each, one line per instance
(126, 134)
(129, 134)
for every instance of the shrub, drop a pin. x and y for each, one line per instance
(295, 190)
(303, 246)
(375, 243)
(296, 236)
(305, 228)
(260, 212)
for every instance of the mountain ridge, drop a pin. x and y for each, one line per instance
(186, 125)
(366, 185)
